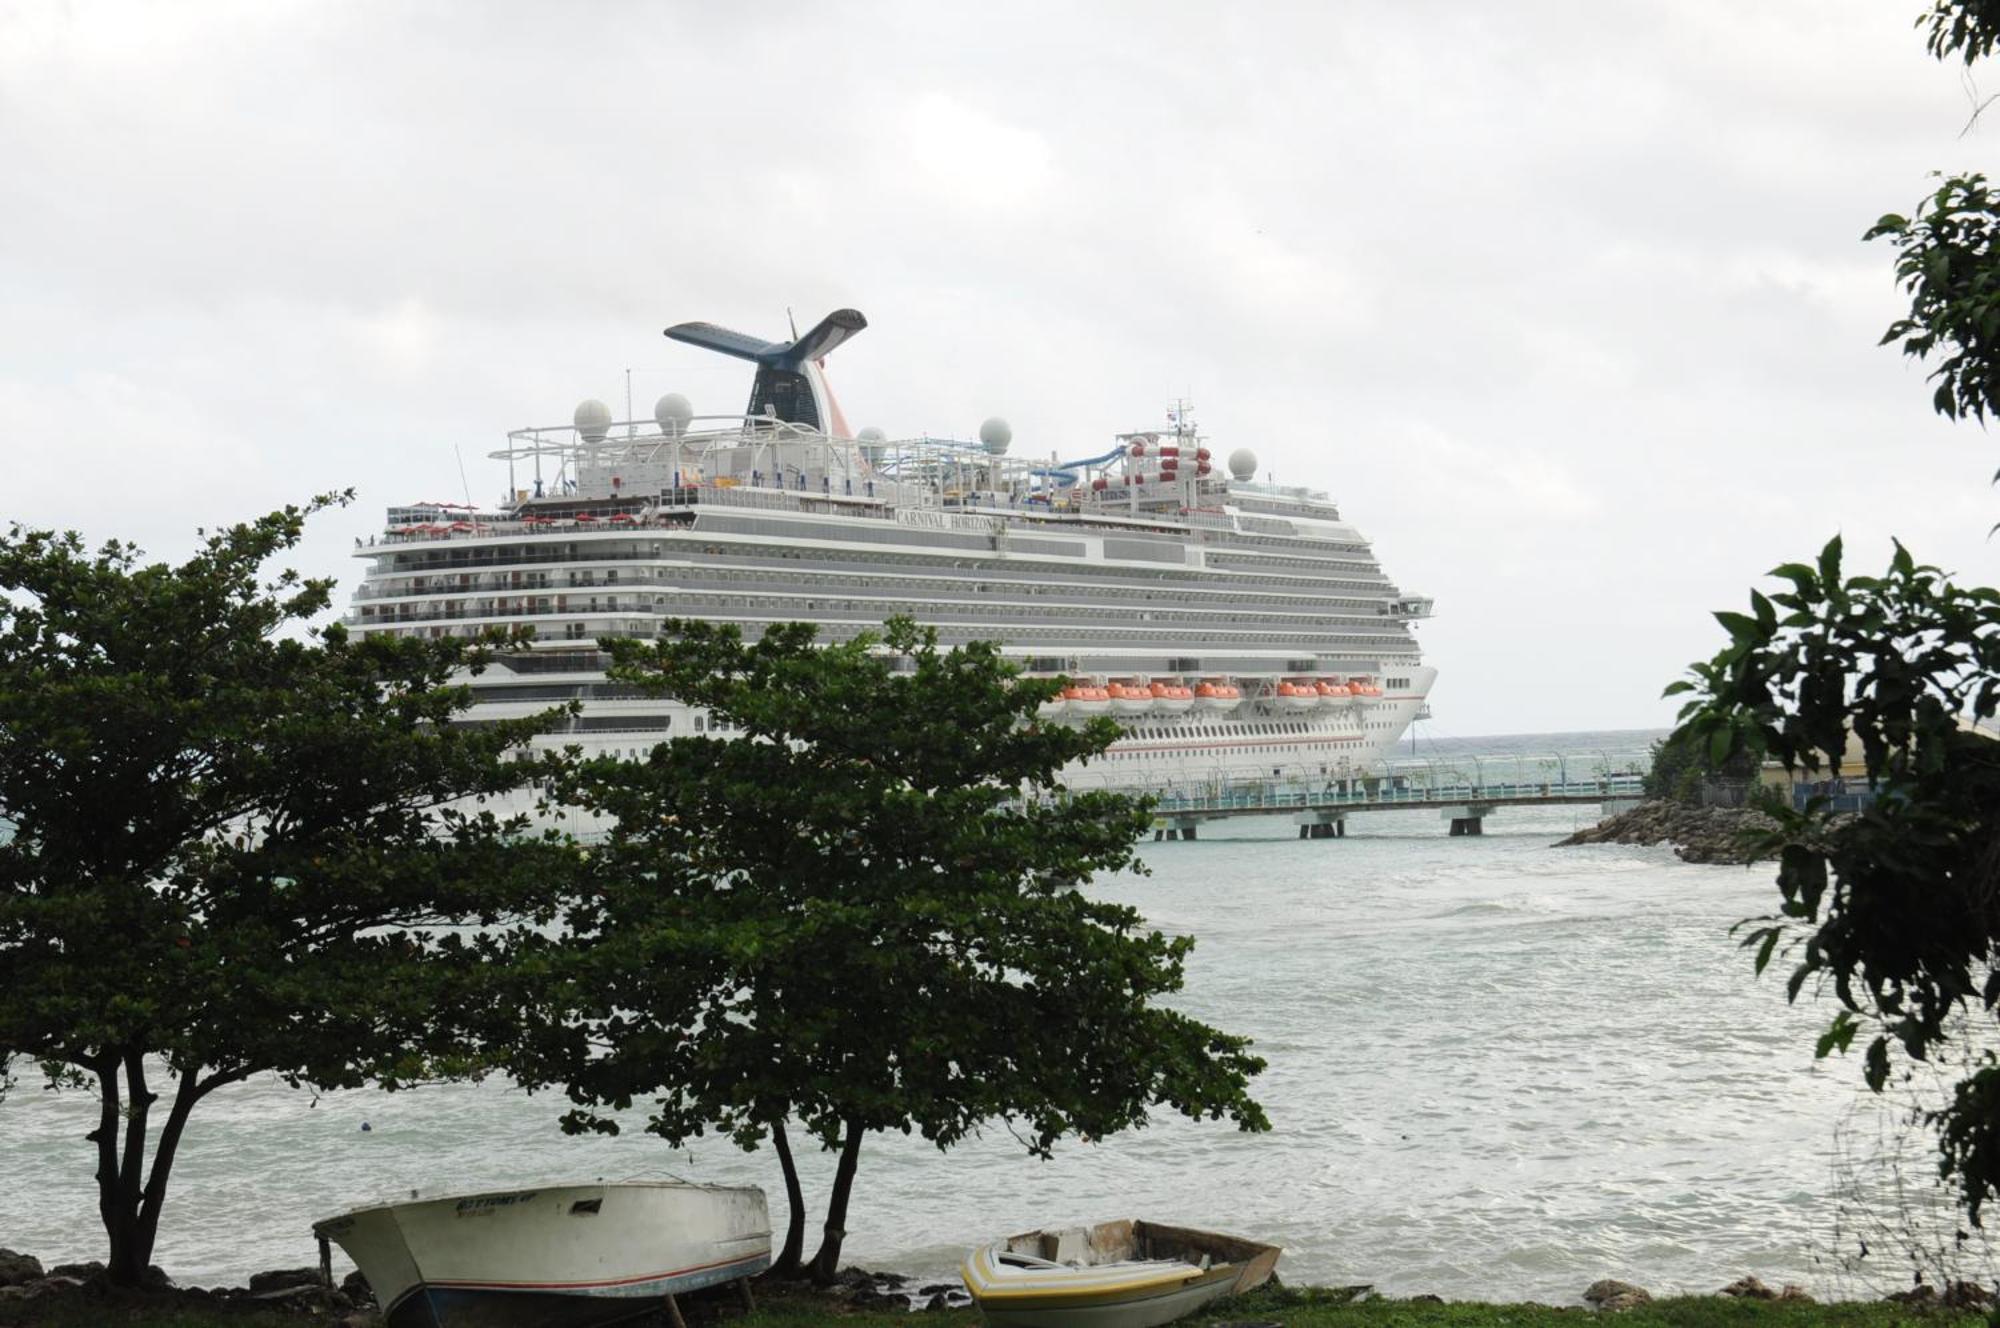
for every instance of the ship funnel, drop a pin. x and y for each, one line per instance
(789, 385)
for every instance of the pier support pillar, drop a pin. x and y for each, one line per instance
(1322, 824)
(1175, 827)
(1467, 819)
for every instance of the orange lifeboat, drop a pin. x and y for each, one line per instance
(1296, 695)
(1331, 692)
(1087, 700)
(1130, 699)
(1056, 706)
(1217, 696)
(1172, 697)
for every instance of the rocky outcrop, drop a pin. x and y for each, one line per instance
(1698, 834)
(1750, 1288)
(1956, 1296)
(1611, 1294)
(18, 1268)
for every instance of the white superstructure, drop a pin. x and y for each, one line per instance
(1236, 630)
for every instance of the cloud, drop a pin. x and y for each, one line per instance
(1566, 304)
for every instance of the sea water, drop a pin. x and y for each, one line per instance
(1497, 1069)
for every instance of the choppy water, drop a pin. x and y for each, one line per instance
(1496, 1070)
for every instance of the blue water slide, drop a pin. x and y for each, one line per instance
(1064, 472)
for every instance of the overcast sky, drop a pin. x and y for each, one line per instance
(1565, 303)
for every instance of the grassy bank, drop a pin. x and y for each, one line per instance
(1304, 1307)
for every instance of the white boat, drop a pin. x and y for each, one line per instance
(558, 1256)
(1123, 1274)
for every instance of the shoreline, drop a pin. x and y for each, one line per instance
(74, 1295)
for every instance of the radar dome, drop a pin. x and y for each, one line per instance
(873, 443)
(593, 420)
(673, 412)
(996, 434)
(1243, 464)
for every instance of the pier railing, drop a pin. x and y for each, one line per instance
(1465, 786)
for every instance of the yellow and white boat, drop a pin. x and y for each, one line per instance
(1125, 1274)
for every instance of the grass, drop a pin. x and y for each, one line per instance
(1290, 1307)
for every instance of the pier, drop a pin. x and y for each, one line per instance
(1461, 790)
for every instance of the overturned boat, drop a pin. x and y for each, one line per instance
(559, 1256)
(1125, 1274)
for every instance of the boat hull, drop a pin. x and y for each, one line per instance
(1146, 1310)
(567, 1256)
(1121, 1274)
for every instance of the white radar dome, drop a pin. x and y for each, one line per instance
(873, 442)
(996, 434)
(673, 411)
(593, 420)
(1243, 464)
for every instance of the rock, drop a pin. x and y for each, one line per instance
(308, 1298)
(280, 1278)
(1794, 1292)
(878, 1300)
(1611, 1294)
(939, 1302)
(18, 1268)
(52, 1286)
(1426, 1298)
(1966, 1296)
(1699, 834)
(939, 1288)
(1749, 1288)
(1918, 1295)
(356, 1288)
(82, 1272)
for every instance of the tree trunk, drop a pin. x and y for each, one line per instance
(131, 1212)
(787, 1264)
(826, 1264)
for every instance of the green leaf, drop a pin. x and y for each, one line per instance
(1740, 627)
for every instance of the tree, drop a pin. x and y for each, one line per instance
(865, 912)
(1680, 767)
(1896, 907)
(231, 847)
(1949, 262)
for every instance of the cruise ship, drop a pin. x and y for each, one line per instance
(1237, 631)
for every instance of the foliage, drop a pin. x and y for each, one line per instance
(1680, 765)
(232, 848)
(1896, 907)
(1947, 262)
(1965, 28)
(863, 913)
